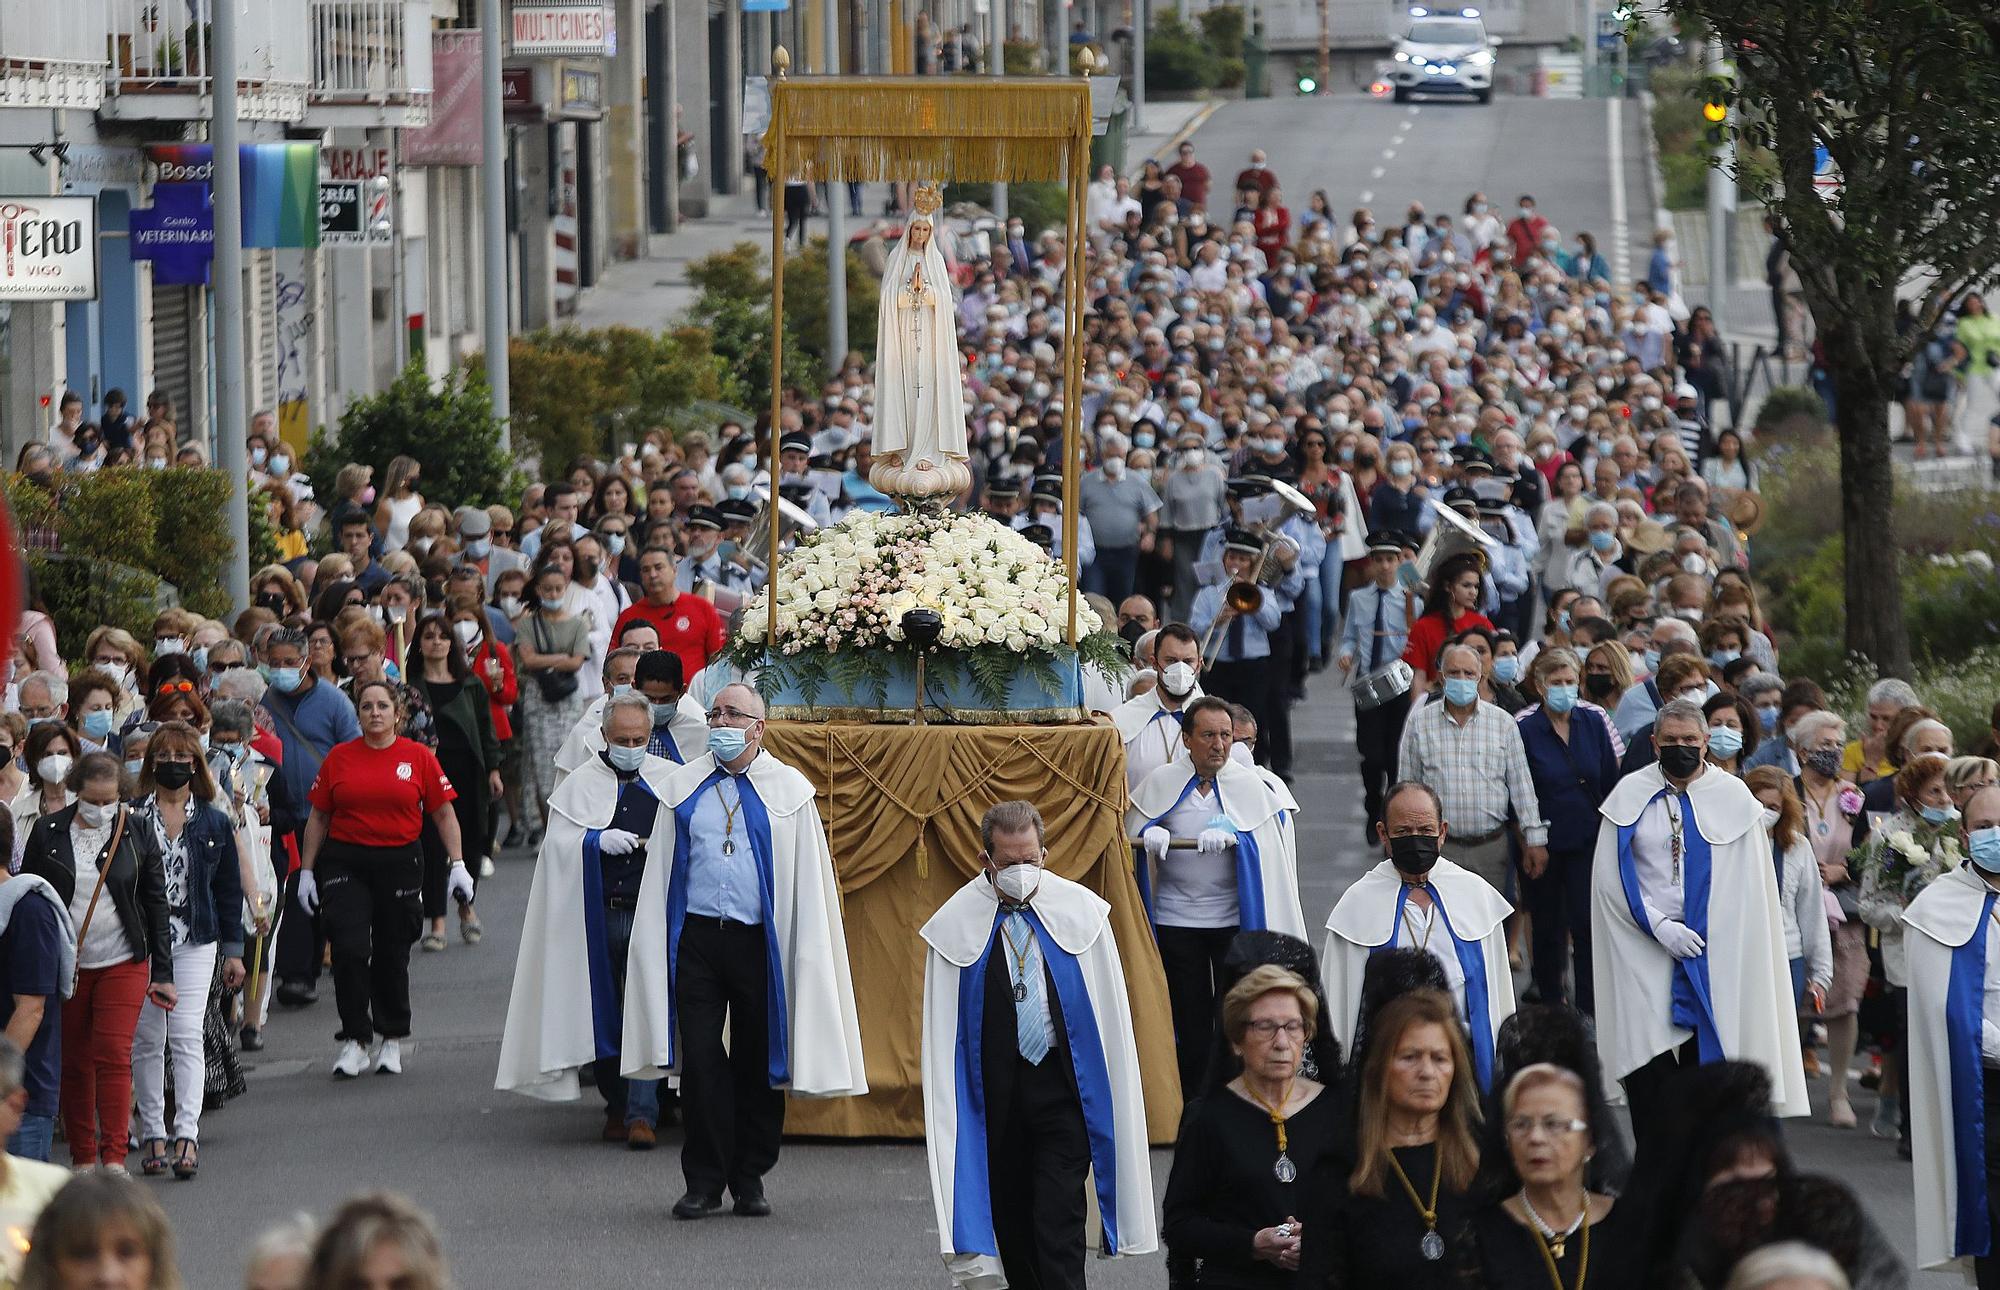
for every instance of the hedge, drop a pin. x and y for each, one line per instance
(117, 546)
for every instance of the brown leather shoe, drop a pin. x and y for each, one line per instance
(639, 1136)
(614, 1128)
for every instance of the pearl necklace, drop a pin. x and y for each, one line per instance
(1557, 1240)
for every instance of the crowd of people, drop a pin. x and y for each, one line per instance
(1440, 457)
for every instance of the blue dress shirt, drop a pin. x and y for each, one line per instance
(722, 885)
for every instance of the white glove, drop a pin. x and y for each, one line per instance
(1213, 840)
(308, 891)
(617, 842)
(1989, 1041)
(458, 883)
(1156, 840)
(1680, 940)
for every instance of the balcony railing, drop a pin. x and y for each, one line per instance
(373, 52)
(52, 55)
(162, 50)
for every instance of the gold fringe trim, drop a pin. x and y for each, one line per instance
(957, 129)
(900, 716)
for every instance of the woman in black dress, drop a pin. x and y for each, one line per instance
(1233, 1198)
(1391, 1215)
(470, 754)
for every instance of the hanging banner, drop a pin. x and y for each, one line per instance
(453, 136)
(48, 248)
(176, 233)
(280, 186)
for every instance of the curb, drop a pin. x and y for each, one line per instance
(1194, 123)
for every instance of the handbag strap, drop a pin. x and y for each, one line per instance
(103, 872)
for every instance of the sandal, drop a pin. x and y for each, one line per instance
(432, 943)
(154, 1163)
(187, 1160)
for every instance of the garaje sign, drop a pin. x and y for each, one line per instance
(555, 29)
(48, 248)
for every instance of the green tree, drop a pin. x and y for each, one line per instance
(1905, 97)
(806, 311)
(735, 307)
(582, 393)
(1178, 57)
(448, 427)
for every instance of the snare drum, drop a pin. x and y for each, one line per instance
(1383, 684)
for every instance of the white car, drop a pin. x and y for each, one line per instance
(1446, 51)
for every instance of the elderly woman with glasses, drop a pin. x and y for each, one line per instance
(1234, 1197)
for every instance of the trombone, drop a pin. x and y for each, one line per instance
(1279, 556)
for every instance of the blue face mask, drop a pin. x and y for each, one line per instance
(134, 766)
(1768, 718)
(625, 759)
(1142, 440)
(1652, 661)
(1938, 814)
(97, 724)
(1507, 670)
(201, 657)
(1602, 540)
(663, 713)
(1460, 691)
(737, 492)
(1402, 467)
(1725, 741)
(1188, 402)
(1724, 657)
(617, 690)
(1562, 621)
(288, 679)
(614, 543)
(1560, 699)
(726, 742)
(1984, 844)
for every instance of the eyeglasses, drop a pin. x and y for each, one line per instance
(1550, 1126)
(730, 715)
(175, 687)
(354, 661)
(1267, 1029)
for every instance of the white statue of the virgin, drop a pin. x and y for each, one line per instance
(920, 448)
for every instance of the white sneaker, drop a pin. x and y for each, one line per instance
(353, 1059)
(486, 866)
(389, 1057)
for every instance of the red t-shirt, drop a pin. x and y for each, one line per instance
(378, 797)
(1428, 635)
(688, 625)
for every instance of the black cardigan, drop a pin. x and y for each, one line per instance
(136, 887)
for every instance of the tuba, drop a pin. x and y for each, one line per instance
(1451, 535)
(792, 520)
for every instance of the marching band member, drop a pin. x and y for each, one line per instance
(743, 918)
(1240, 873)
(1379, 614)
(1031, 1073)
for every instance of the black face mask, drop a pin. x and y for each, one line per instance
(1680, 761)
(173, 774)
(1599, 684)
(273, 601)
(1414, 854)
(1132, 631)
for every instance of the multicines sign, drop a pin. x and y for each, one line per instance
(554, 28)
(48, 248)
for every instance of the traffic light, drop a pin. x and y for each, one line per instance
(1308, 83)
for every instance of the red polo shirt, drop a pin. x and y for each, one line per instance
(378, 797)
(688, 625)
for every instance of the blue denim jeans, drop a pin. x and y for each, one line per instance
(34, 1139)
(637, 1099)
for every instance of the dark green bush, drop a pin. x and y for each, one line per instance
(448, 427)
(1790, 409)
(1222, 28)
(735, 308)
(1177, 56)
(584, 393)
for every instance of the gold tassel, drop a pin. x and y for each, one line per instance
(923, 853)
(960, 129)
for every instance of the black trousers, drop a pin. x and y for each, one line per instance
(1559, 902)
(1250, 682)
(1378, 736)
(301, 942)
(1647, 1090)
(1038, 1155)
(369, 904)
(1986, 1271)
(732, 1114)
(1274, 724)
(1192, 959)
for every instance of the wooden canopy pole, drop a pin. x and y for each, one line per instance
(774, 165)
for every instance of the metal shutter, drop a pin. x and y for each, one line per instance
(260, 339)
(177, 331)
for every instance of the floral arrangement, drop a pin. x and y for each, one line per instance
(1904, 860)
(843, 590)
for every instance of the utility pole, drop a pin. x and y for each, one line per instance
(997, 65)
(836, 213)
(1587, 20)
(1721, 201)
(226, 179)
(493, 206)
(1134, 124)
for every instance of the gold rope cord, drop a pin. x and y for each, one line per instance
(961, 129)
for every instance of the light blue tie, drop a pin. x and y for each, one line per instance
(1032, 1028)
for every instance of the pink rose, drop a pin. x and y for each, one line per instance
(1850, 800)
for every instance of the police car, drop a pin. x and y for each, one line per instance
(1445, 51)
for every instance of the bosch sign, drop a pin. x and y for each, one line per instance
(48, 248)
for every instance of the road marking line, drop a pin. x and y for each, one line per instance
(1621, 237)
(1388, 154)
(1367, 195)
(1378, 172)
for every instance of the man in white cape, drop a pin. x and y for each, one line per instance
(1954, 1040)
(680, 724)
(1687, 941)
(1419, 898)
(1232, 870)
(743, 914)
(1149, 724)
(565, 1010)
(1030, 1071)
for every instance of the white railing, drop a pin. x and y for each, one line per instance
(37, 32)
(164, 45)
(371, 51)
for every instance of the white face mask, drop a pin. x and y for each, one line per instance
(1017, 882)
(93, 816)
(1178, 679)
(54, 768)
(1770, 818)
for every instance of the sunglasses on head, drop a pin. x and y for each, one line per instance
(175, 687)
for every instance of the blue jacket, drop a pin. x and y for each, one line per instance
(1571, 781)
(309, 725)
(215, 883)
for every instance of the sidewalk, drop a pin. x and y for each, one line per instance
(653, 292)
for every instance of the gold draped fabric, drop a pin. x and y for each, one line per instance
(962, 128)
(902, 806)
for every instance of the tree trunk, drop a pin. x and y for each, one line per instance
(1867, 492)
